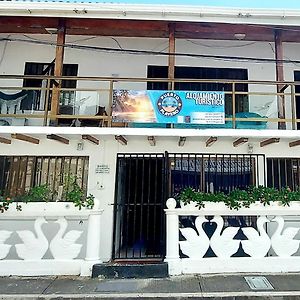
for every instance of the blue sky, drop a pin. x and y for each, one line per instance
(287, 4)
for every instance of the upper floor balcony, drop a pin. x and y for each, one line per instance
(131, 102)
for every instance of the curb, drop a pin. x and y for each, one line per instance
(173, 296)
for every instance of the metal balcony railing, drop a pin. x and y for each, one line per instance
(46, 101)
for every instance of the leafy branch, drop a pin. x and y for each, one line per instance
(237, 198)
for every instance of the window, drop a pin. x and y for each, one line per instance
(283, 172)
(36, 99)
(242, 104)
(19, 173)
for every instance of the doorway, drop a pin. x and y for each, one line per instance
(145, 181)
(139, 230)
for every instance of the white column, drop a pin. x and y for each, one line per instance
(93, 234)
(172, 253)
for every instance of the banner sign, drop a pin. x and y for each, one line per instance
(191, 107)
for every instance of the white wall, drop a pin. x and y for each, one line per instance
(126, 65)
(107, 151)
(13, 56)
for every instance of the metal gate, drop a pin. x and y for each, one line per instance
(145, 181)
(215, 172)
(139, 229)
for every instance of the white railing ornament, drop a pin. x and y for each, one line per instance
(283, 242)
(63, 244)
(195, 245)
(223, 244)
(32, 257)
(33, 247)
(270, 248)
(258, 243)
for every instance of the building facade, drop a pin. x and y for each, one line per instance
(61, 65)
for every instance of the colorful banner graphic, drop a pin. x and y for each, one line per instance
(191, 107)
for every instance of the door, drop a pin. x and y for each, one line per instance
(139, 227)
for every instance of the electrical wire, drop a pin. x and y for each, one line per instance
(155, 53)
(219, 46)
(4, 51)
(286, 57)
(117, 42)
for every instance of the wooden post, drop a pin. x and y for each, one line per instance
(58, 68)
(279, 77)
(171, 62)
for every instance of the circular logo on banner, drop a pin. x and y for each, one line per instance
(169, 104)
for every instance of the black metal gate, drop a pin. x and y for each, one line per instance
(139, 230)
(215, 172)
(145, 181)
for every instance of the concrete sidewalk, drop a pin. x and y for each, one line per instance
(286, 286)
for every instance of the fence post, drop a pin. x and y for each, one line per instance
(93, 239)
(172, 235)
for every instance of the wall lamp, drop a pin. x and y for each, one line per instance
(151, 140)
(181, 141)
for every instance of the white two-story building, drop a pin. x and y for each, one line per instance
(84, 91)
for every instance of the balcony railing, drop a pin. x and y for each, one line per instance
(248, 104)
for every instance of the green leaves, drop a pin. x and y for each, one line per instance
(75, 194)
(72, 192)
(237, 198)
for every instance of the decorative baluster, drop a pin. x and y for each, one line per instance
(172, 255)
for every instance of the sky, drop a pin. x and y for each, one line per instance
(287, 4)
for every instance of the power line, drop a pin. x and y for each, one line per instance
(156, 53)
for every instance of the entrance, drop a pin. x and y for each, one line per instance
(145, 181)
(139, 230)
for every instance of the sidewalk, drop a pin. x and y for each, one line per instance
(286, 286)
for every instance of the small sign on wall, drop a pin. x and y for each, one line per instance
(102, 169)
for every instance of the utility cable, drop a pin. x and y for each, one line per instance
(158, 53)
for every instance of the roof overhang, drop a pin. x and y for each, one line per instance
(186, 13)
(239, 136)
(128, 20)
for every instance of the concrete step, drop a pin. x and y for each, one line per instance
(131, 270)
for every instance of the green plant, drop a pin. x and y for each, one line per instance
(5, 202)
(241, 198)
(38, 193)
(74, 193)
(71, 190)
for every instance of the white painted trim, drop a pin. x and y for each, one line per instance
(151, 12)
(48, 209)
(255, 209)
(213, 265)
(111, 131)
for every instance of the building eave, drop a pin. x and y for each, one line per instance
(75, 132)
(151, 12)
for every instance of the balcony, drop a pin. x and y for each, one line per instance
(248, 104)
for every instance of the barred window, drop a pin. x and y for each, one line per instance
(284, 172)
(19, 173)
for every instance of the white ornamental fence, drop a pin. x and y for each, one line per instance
(271, 245)
(53, 238)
